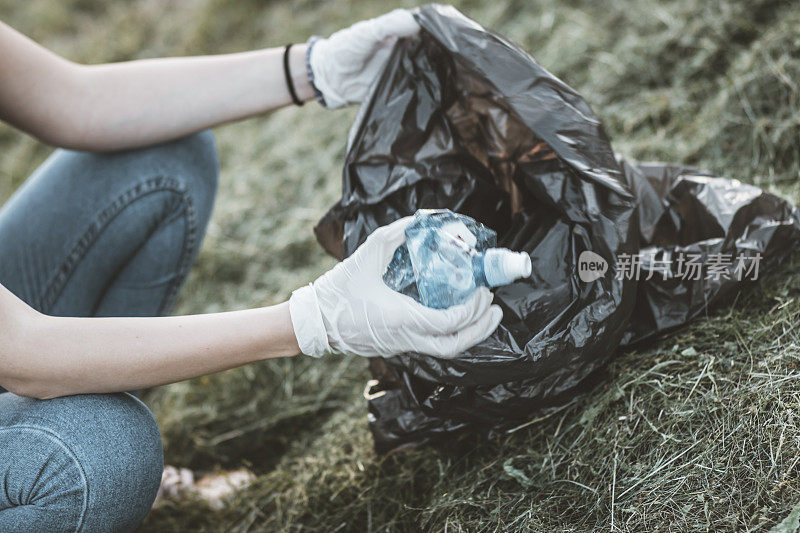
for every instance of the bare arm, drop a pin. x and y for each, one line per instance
(126, 105)
(46, 357)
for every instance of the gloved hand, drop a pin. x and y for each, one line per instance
(351, 310)
(344, 65)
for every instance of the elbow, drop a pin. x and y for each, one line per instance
(33, 388)
(13, 387)
(20, 387)
(46, 390)
(64, 132)
(43, 394)
(64, 119)
(57, 136)
(20, 372)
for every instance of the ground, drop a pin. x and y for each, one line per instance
(697, 431)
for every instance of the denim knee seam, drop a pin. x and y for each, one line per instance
(95, 229)
(71, 454)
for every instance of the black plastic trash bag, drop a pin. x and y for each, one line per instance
(463, 119)
(686, 213)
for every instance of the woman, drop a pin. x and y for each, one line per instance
(110, 225)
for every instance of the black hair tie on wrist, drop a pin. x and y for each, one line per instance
(288, 76)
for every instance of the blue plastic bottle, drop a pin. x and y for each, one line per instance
(447, 256)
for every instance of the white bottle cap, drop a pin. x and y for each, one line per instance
(501, 266)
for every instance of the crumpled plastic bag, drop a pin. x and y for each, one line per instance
(463, 119)
(686, 212)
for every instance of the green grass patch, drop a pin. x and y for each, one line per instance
(695, 432)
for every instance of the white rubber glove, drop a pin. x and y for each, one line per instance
(349, 309)
(344, 65)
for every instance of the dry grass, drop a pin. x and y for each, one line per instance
(696, 432)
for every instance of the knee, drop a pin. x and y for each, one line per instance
(91, 460)
(123, 460)
(190, 161)
(198, 158)
(115, 446)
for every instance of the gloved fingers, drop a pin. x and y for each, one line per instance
(479, 330)
(396, 23)
(395, 230)
(385, 240)
(451, 345)
(452, 319)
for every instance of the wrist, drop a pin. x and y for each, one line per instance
(270, 334)
(310, 44)
(298, 72)
(287, 341)
(307, 323)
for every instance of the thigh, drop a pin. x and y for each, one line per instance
(81, 463)
(77, 223)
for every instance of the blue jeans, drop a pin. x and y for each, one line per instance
(96, 235)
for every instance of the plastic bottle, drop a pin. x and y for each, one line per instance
(447, 256)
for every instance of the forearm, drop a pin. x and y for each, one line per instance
(123, 105)
(137, 103)
(63, 356)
